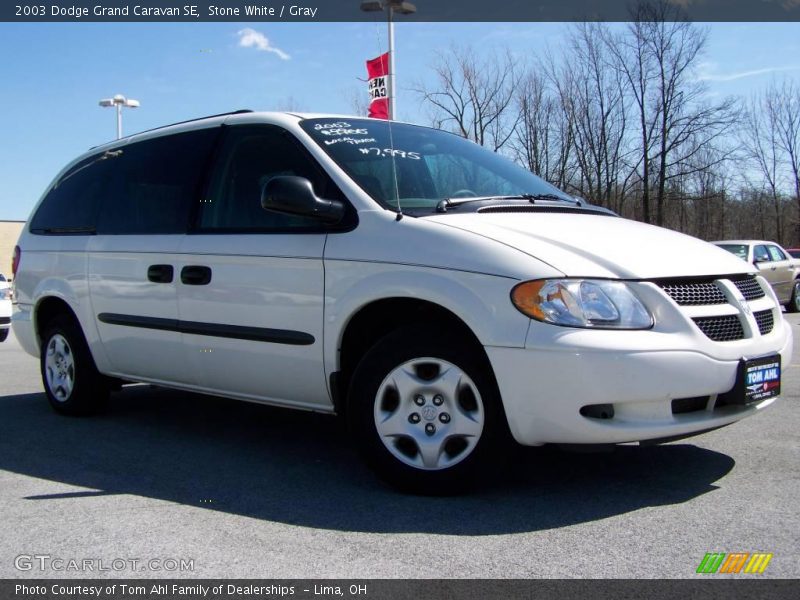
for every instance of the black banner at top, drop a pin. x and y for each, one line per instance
(416, 10)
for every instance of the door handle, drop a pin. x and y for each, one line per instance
(196, 275)
(160, 273)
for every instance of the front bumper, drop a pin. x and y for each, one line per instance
(545, 385)
(5, 314)
(23, 329)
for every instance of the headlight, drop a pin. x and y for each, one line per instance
(5, 294)
(590, 303)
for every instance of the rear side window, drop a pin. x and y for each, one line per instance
(776, 253)
(71, 205)
(760, 254)
(154, 184)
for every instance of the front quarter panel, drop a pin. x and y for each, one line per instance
(470, 276)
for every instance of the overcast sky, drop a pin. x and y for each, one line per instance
(52, 75)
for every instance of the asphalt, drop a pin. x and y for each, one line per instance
(250, 491)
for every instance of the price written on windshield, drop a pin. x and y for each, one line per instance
(390, 152)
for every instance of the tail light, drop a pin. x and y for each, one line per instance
(15, 261)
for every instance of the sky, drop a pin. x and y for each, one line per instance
(53, 74)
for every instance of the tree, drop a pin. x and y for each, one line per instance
(594, 94)
(657, 57)
(473, 97)
(759, 136)
(542, 139)
(784, 104)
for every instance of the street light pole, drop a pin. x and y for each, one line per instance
(118, 102)
(392, 7)
(119, 120)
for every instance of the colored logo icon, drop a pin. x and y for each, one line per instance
(734, 562)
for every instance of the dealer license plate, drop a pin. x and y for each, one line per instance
(762, 378)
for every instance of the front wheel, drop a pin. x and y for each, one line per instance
(3, 335)
(794, 303)
(425, 411)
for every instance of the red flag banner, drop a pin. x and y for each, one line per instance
(378, 85)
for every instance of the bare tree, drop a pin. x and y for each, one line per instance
(634, 60)
(594, 95)
(542, 141)
(473, 97)
(657, 56)
(759, 136)
(784, 104)
(621, 117)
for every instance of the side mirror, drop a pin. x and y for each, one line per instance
(292, 195)
(757, 260)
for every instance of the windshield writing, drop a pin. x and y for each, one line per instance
(430, 165)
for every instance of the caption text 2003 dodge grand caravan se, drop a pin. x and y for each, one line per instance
(442, 298)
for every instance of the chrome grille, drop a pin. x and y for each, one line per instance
(694, 293)
(750, 288)
(725, 328)
(765, 321)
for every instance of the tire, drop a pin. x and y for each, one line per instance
(3, 335)
(794, 303)
(70, 378)
(412, 439)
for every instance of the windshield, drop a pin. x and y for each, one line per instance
(739, 250)
(430, 165)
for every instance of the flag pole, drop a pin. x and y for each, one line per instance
(391, 79)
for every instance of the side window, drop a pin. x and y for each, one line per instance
(776, 253)
(72, 203)
(760, 254)
(155, 183)
(250, 157)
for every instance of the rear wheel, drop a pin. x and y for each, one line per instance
(425, 411)
(71, 380)
(794, 303)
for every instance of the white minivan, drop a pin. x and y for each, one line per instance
(442, 298)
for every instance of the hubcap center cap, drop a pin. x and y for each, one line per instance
(428, 413)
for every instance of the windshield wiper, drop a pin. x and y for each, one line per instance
(80, 229)
(446, 203)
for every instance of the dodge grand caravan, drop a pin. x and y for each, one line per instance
(440, 297)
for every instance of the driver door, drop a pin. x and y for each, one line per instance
(253, 322)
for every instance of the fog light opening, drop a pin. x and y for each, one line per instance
(598, 411)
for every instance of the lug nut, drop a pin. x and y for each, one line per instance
(438, 400)
(419, 400)
(444, 418)
(413, 418)
(430, 428)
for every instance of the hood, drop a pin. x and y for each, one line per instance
(582, 245)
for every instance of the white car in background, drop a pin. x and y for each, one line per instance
(442, 298)
(5, 308)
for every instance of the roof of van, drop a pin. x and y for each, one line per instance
(236, 115)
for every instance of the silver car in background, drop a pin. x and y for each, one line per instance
(775, 264)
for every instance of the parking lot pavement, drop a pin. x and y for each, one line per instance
(252, 491)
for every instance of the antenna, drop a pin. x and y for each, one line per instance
(390, 81)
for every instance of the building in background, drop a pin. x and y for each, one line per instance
(9, 234)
